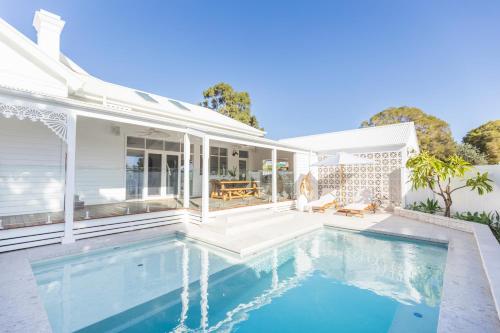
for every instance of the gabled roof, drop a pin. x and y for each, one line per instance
(82, 86)
(360, 139)
(114, 94)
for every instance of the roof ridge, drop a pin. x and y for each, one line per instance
(406, 123)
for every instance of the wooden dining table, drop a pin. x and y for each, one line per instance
(232, 189)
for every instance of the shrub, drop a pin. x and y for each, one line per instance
(491, 219)
(430, 206)
(428, 171)
(471, 154)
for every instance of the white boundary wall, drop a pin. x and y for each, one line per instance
(464, 200)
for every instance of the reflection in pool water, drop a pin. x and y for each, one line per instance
(322, 282)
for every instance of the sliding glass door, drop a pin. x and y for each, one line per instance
(135, 174)
(152, 169)
(172, 174)
(154, 174)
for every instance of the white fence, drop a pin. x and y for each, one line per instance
(465, 200)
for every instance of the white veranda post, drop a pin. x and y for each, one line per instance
(205, 185)
(187, 154)
(69, 188)
(274, 176)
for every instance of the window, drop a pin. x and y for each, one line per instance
(242, 169)
(179, 105)
(154, 144)
(147, 97)
(218, 161)
(243, 164)
(172, 146)
(135, 142)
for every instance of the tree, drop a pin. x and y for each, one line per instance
(224, 99)
(429, 171)
(486, 138)
(471, 154)
(434, 134)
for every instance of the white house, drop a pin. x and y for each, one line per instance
(82, 157)
(389, 146)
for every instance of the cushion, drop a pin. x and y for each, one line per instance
(356, 206)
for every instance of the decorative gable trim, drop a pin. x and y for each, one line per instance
(55, 121)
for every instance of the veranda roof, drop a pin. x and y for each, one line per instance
(393, 136)
(343, 158)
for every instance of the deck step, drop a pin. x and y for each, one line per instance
(246, 237)
(235, 224)
(243, 217)
(256, 224)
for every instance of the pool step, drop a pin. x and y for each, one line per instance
(235, 224)
(247, 235)
(242, 217)
(256, 224)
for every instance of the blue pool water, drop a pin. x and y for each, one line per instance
(327, 281)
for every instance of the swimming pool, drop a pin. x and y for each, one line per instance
(326, 281)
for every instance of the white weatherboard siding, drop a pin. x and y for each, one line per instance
(100, 162)
(31, 168)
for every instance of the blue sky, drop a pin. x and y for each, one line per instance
(309, 66)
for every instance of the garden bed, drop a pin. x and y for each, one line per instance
(435, 219)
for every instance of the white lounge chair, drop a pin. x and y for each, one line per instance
(363, 201)
(326, 201)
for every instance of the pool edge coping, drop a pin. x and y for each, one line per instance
(486, 243)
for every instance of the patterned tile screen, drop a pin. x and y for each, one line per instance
(383, 177)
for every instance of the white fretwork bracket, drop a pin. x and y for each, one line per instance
(55, 121)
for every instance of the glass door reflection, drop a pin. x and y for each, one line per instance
(154, 174)
(172, 174)
(135, 174)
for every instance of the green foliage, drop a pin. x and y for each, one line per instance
(413, 206)
(232, 172)
(480, 183)
(483, 217)
(492, 219)
(434, 134)
(428, 171)
(430, 206)
(471, 154)
(224, 99)
(486, 138)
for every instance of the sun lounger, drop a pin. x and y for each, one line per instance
(323, 203)
(363, 202)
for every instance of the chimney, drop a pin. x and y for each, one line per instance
(48, 27)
